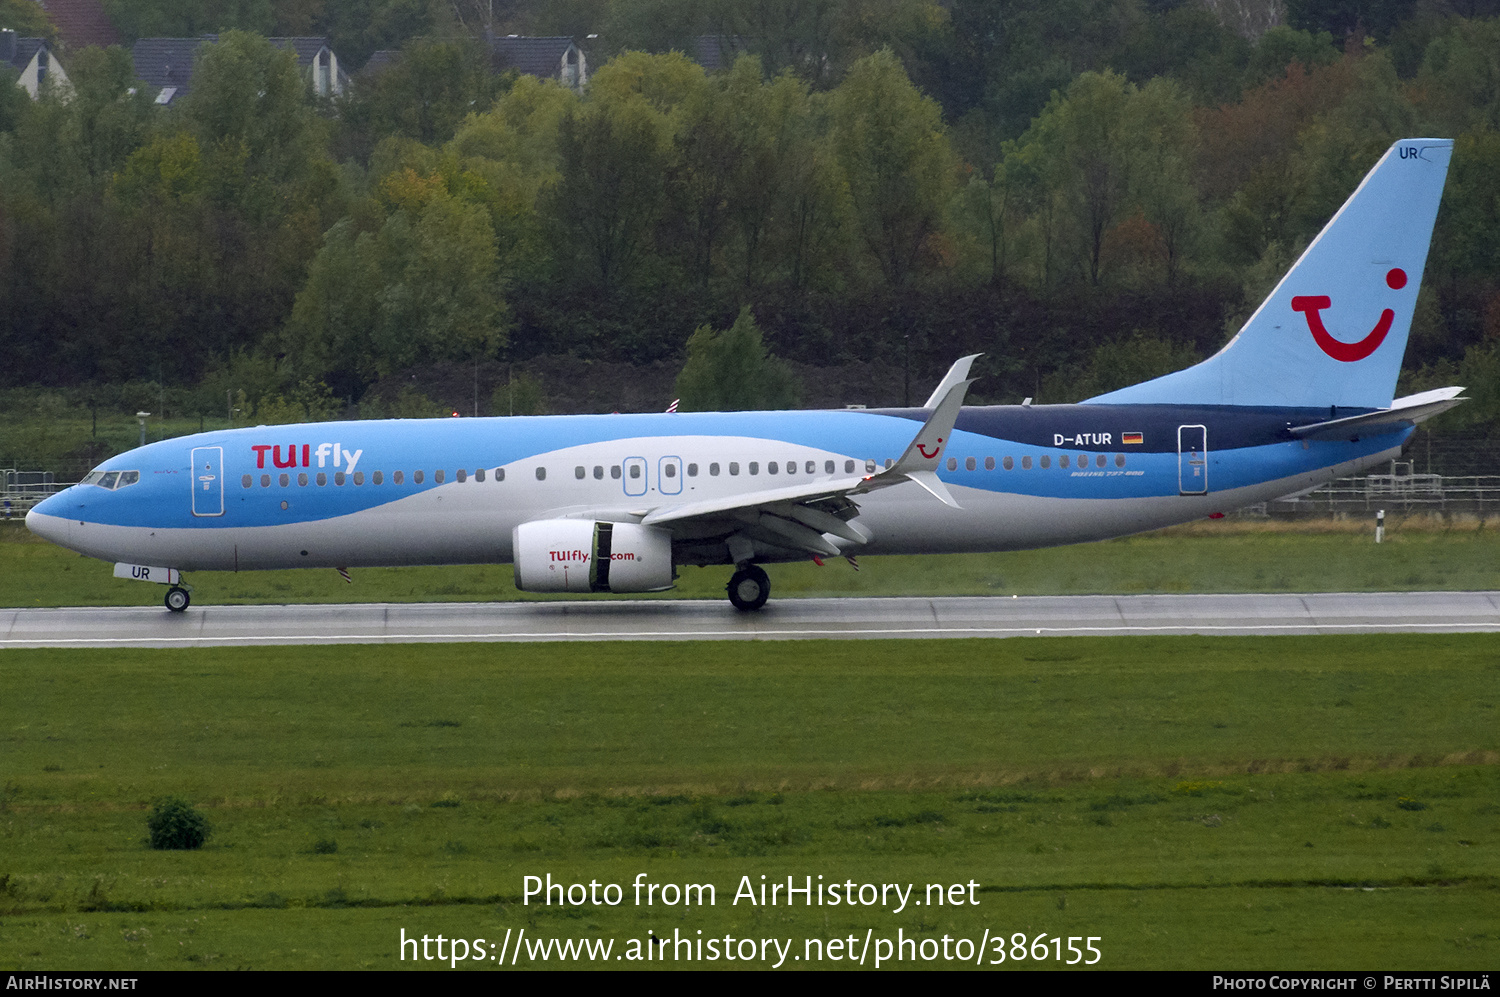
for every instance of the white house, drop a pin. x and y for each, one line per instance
(37, 65)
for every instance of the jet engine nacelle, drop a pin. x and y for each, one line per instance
(580, 555)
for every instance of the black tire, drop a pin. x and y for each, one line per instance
(178, 599)
(749, 588)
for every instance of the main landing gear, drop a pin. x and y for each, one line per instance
(178, 599)
(749, 588)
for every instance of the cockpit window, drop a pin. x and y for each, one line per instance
(111, 479)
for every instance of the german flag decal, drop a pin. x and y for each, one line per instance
(1132, 438)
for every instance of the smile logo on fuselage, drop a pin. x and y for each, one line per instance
(1312, 305)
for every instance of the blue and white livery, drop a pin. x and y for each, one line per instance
(616, 503)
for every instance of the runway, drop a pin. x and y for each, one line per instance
(786, 619)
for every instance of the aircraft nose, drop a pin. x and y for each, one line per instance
(49, 519)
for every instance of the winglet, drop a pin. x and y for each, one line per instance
(956, 373)
(924, 454)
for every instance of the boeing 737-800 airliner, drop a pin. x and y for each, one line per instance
(616, 503)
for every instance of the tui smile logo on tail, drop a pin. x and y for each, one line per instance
(935, 450)
(1312, 306)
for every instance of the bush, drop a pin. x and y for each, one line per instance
(174, 824)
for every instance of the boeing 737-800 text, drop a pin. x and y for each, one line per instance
(616, 503)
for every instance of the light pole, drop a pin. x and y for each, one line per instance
(142, 417)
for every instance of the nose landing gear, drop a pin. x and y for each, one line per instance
(178, 599)
(749, 588)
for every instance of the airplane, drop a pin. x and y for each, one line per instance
(1303, 394)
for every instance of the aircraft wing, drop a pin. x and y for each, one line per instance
(1403, 412)
(799, 516)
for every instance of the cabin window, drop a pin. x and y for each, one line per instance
(1061, 461)
(92, 478)
(416, 477)
(541, 474)
(989, 463)
(283, 501)
(812, 467)
(461, 475)
(889, 463)
(1099, 461)
(499, 474)
(869, 466)
(359, 477)
(109, 479)
(614, 472)
(828, 466)
(754, 467)
(338, 477)
(265, 481)
(128, 478)
(598, 472)
(377, 478)
(953, 463)
(1025, 463)
(713, 469)
(247, 481)
(580, 472)
(478, 474)
(1119, 460)
(848, 467)
(770, 467)
(1009, 463)
(439, 475)
(1083, 460)
(302, 479)
(692, 470)
(1046, 461)
(670, 469)
(969, 464)
(635, 472)
(734, 467)
(397, 478)
(285, 480)
(322, 478)
(791, 467)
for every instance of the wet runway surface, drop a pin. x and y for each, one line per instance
(785, 619)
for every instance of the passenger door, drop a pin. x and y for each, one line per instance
(1192, 460)
(208, 481)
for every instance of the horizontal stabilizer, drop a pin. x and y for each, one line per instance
(1403, 412)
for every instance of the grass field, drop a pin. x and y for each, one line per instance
(1192, 802)
(1224, 556)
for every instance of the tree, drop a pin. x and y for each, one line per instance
(610, 189)
(424, 288)
(175, 824)
(249, 103)
(425, 95)
(894, 153)
(734, 371)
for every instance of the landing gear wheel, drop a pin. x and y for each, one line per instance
(749, 588)
(178, 599)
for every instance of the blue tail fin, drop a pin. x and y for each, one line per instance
(1334, 330)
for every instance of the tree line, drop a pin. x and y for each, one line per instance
(1088, 206)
